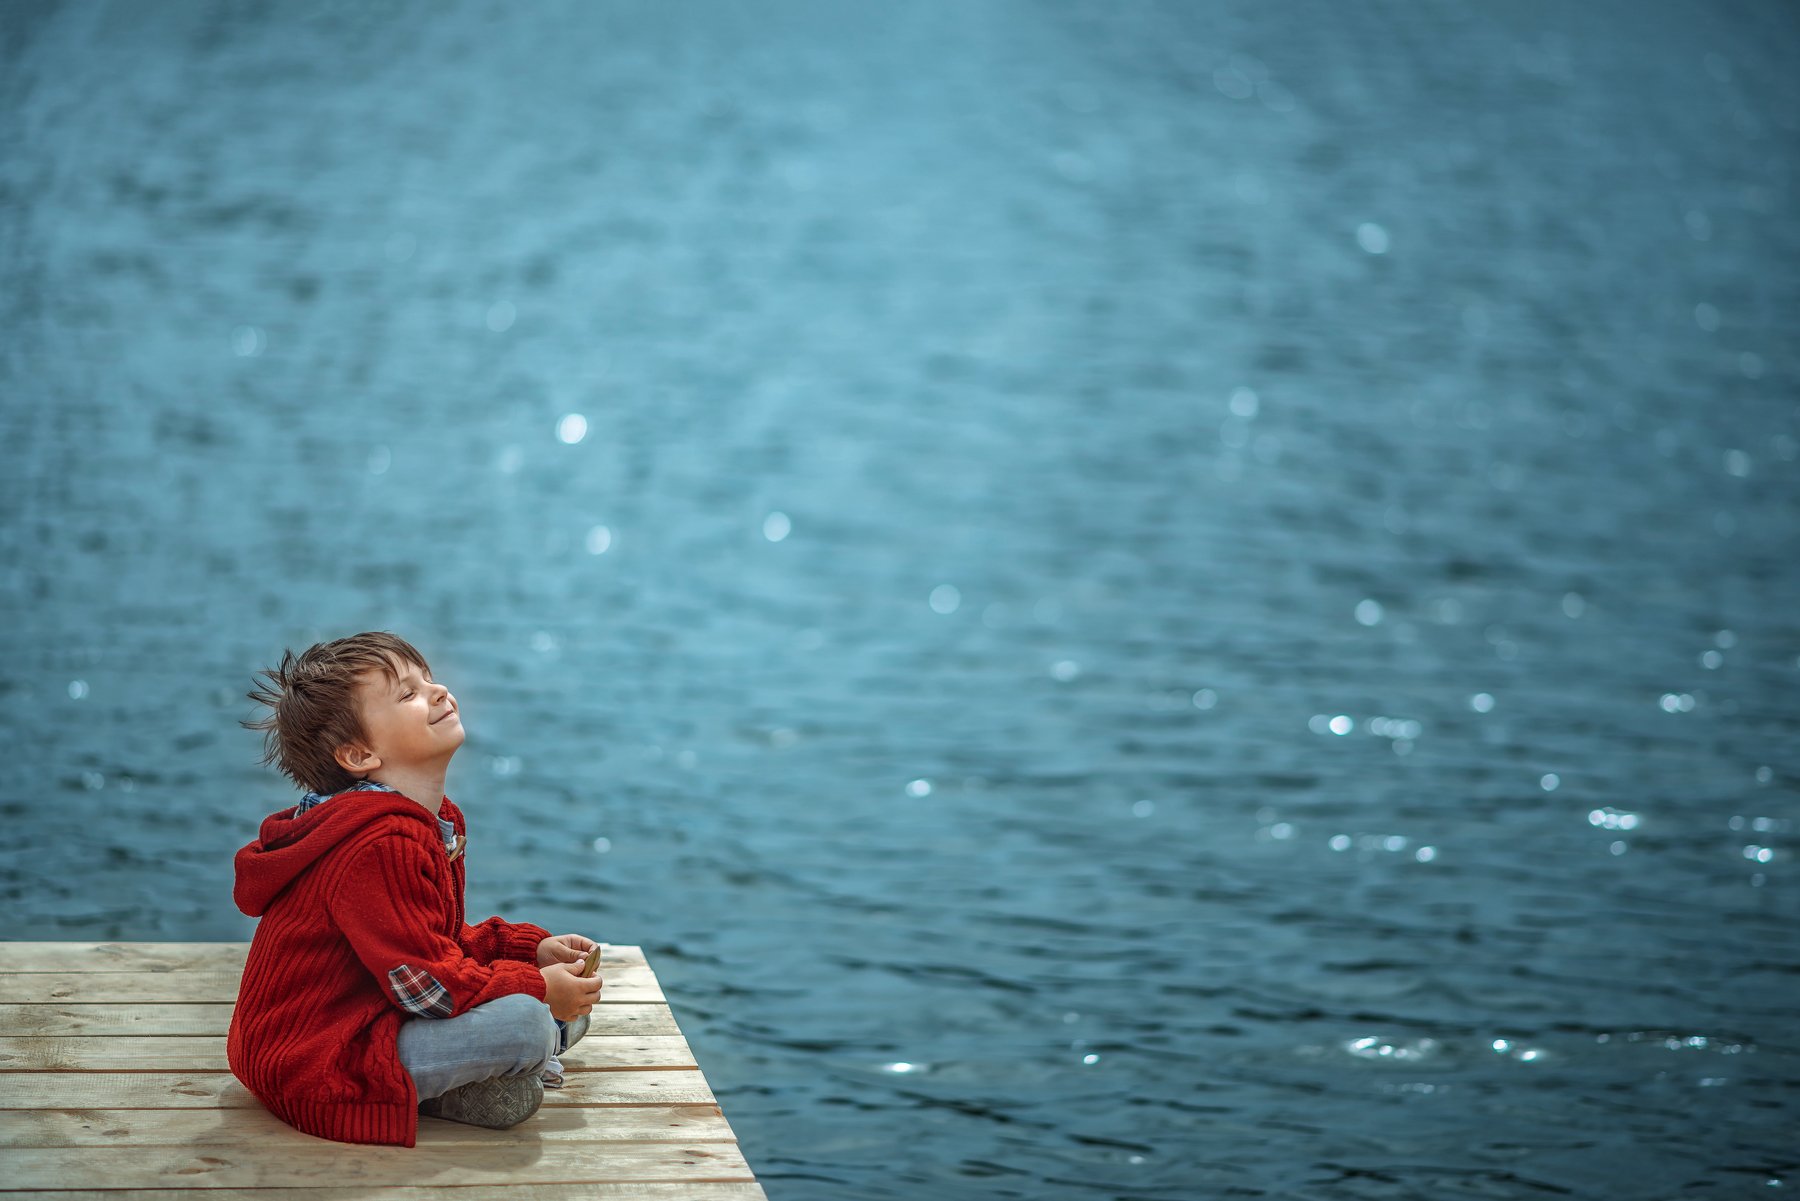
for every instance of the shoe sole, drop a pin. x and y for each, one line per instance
(495, 1103)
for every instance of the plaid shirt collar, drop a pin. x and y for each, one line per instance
(318, 798)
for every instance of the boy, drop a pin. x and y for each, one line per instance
(366, 1000)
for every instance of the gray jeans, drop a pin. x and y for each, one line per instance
(508, 1036)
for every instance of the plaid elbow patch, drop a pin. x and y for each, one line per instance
(419, 991)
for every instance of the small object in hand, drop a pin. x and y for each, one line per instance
(592, 962)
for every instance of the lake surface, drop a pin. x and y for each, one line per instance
(1145, 601)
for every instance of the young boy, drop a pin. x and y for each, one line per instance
(366, 1000)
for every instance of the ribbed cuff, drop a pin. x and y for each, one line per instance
(530, 979)
(521, 942)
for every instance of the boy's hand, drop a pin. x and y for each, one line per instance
(568, 995)
(563, 948)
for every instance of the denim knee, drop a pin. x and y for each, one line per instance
(532, 1032)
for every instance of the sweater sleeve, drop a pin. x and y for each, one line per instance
(498, 939)
(389, 904)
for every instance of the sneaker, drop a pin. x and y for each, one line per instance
(497, 1102)
(572, 1032)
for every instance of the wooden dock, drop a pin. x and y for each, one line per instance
(113, 1083)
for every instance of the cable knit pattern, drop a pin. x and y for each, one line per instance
(349, 892)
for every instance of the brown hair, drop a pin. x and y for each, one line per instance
(314, 709)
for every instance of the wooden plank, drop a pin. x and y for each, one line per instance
(631, 1088)
(119, 956)
(627, 983)
(216, 1090)
(631, 1191)
(198, 1017)
(206, 1053)
(322, 1162)
(175, 956)
(123, 1020)
(103, 988)
(257, 1127)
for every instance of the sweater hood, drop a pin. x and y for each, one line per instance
(291, 841)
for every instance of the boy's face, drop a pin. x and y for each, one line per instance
(412, 721)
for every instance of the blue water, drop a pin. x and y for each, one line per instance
(1143, 601)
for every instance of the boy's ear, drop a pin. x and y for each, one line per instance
(354, 757)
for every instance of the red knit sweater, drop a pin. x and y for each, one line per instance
(349, 891)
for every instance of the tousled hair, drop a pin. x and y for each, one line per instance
(313, 709)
